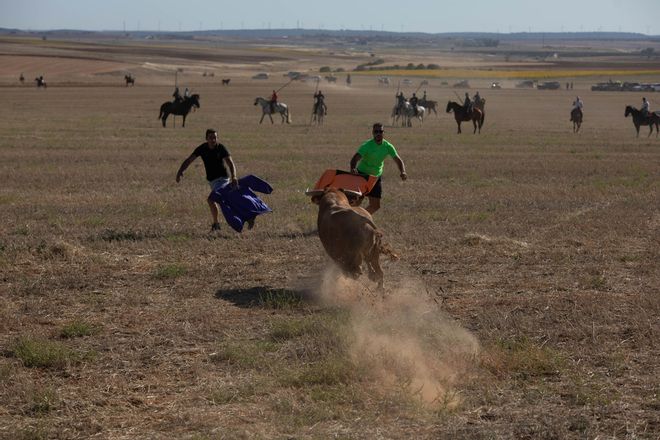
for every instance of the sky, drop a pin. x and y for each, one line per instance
(432, 16)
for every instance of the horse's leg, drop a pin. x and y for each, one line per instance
(262, 118)
(271, 118)
(164, 120)
(184, 121)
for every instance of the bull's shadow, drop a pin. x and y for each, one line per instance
(266, 297)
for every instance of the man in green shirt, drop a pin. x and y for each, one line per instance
(370, 159)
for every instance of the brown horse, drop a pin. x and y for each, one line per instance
(576, 119)
(476, 116)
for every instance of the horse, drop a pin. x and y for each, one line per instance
(181, 108)
(129, 80)
(429, 105)
(653, 119)
(407, 112)
(225, 81)
(21, 78)
(41, 82)
(477, 116)
(280, 108)
(576, 118)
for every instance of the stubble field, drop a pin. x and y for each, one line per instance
(526, 302)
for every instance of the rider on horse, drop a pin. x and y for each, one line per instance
(645, 108)
(176, 95)
(400, 102)
(319, 100)
(467, 104)
(577, 105)
(477, 100)
(413, 101)
(273, 101)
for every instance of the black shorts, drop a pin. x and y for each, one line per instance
(377, 191)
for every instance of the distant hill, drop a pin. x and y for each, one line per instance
(299, 34)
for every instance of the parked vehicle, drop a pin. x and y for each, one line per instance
(526, 84)
(548, 85)
(260, 76)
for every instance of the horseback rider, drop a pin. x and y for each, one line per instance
(319, 99)
(577, 104)
(186, 93)
(467, 104)
(477, 100)
(273, 101)
(423, 100)
(645, 108)
(177, 95)
(413, 101)
(400, 102)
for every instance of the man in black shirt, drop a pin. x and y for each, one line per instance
(216, 159)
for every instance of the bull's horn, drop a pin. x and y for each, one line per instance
(313, 192)
(349, 192)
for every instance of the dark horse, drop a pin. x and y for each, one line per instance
(129, 80)
(181, 108)
(653, 119)
(576, 119)
(477, 116)
(41, 82)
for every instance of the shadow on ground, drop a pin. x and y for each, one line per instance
(266, 297)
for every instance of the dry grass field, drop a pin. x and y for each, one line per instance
(525, 305)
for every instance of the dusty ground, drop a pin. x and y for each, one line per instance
(525, 304)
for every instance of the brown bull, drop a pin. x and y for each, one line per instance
(349, 234)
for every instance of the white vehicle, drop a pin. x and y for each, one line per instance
(260, 76)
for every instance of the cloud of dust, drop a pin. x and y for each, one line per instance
(403, 337)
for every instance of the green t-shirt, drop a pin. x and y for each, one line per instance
(373, 156)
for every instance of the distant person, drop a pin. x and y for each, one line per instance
(319, 100)
(348, 79)
(477, 100)
(646, 108)
(413, 102)
(176, 95)
(216, 160)
(577, 105)
(369, 160)
(467, 104)
(567, 85)
(273, 101)
(571, 85)
(21, 78)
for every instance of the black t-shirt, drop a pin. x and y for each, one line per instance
(213, 160)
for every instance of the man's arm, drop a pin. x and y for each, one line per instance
(356, 158)
(232, 170)
(402, 167)
(184, 165)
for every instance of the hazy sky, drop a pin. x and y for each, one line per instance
(403, 15)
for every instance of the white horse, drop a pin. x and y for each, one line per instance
(280, 108)
(407, 113)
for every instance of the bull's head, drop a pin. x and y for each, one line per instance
(354, 197)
